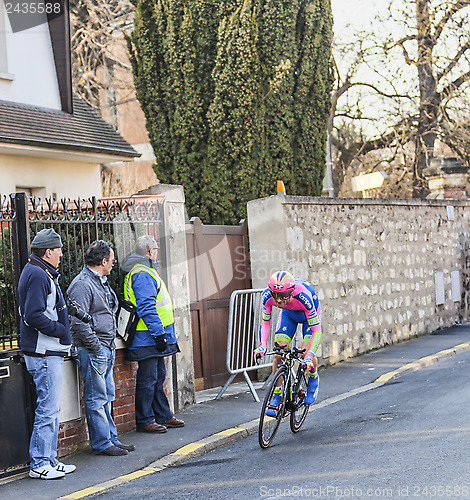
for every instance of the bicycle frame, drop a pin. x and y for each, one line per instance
(289, 357)
(292, 397)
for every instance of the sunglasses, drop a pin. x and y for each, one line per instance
(281, 295)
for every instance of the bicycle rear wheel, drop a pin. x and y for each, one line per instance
(268, 425)
(297, 416)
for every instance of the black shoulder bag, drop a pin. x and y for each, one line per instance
(127, 319)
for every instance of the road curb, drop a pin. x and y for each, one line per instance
(233, 434)
(183, 454)
(423, 363)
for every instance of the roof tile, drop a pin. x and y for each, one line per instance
(84, 130)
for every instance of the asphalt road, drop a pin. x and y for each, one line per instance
(407, 439)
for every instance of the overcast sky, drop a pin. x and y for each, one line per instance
(357, 12)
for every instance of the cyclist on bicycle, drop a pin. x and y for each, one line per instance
(299, 304)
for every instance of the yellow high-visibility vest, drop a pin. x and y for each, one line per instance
(163, 303)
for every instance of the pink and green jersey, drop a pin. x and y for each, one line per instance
(304, 308)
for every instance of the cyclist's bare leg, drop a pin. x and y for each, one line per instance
(277, 360)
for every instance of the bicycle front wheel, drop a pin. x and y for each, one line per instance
(298, 415)
(269, 424)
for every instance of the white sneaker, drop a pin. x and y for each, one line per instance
(46, 472)
(66, 468)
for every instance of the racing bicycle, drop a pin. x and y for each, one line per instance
(290, 376)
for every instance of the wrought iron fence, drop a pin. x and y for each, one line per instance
(79, 222)
(8, 276)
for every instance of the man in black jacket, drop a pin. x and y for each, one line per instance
(45, 341)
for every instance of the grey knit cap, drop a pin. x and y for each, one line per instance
(46, 238)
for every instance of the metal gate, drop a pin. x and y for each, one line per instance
(218, 265)
(16, 389)
(79, 222)
(245, 317)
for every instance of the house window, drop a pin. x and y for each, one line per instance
(32, 191)
(26, 191)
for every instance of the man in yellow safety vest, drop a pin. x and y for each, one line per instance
(154, 338)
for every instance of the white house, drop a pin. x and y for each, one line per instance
(51, 142)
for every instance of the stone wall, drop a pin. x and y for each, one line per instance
(373, 264)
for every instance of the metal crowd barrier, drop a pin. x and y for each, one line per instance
(244, 322)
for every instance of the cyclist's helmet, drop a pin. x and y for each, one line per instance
(281, 284)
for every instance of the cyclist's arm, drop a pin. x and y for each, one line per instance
(266, 319)
(313, 321)
(265, 326)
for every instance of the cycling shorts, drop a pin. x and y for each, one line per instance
(287, 325)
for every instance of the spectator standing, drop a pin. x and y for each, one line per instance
(45, 341)
(154, 338)
(93, 332)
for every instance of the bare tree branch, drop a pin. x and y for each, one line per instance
(458, 82)
(456, 7)
(454, 62)
(413, 102)
(97, 27)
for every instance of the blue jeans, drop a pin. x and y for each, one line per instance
(47, 375)
(151, 403)
(98, 393)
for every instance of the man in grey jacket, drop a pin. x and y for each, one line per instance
(93, 345)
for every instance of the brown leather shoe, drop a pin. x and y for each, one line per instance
(174, 422)
(127, 447)
(153, 427)
(113, 451)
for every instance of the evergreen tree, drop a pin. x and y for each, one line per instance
(311, 97)
(232, 117)
(236, 95)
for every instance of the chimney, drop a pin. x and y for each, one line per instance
(447, 178)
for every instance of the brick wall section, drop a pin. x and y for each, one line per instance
(372, 263)
(73, 435)
(124, 378)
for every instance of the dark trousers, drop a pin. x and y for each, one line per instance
(151, 403)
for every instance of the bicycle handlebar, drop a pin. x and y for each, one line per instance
(284, 351)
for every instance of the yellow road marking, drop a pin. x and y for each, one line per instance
(228, 432)
(465, 344)
(185, 450)
(447, 351)
(387, 376)
(92, 490)
(414, 365)
(139, 473)
(84, 493)
(429, 360)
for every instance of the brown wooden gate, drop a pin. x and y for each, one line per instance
(218, 265)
